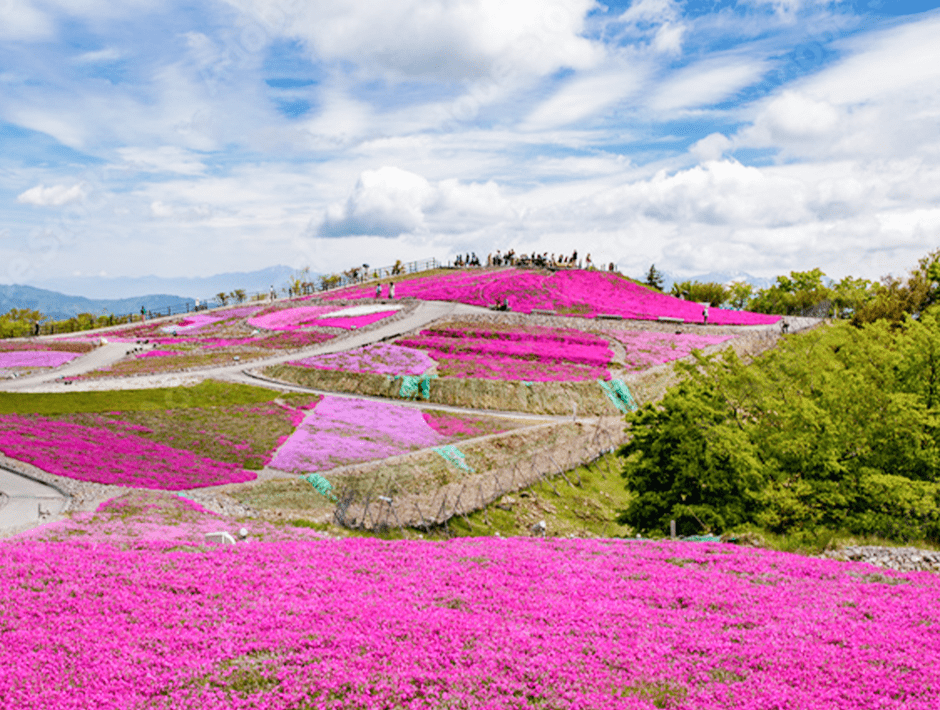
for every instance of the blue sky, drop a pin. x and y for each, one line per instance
(727, 135)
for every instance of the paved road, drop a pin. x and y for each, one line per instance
(422, 314)
(25, 502)
(103, 356)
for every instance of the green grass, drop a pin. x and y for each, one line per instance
(210, 393)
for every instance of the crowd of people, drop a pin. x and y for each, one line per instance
(542, 261)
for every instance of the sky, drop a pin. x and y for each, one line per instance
(177, 139)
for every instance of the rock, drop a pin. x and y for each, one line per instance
(221, 537)
(243, 533)
(539, 528)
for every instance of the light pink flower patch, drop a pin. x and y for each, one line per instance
(289, 318)
(101, 456)
(36, 358)
(379, 359)
(575, 292)
(645, 349)
(343, 430)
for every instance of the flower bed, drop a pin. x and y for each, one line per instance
(645, 349)
(342, 431)
(379, 359)
(467, 623)
(576, 292)
(529, 354)
(35, 358)
(98, 455)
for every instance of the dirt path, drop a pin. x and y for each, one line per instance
(25, 502)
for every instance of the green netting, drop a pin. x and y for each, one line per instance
(320, 484)
(455, 456)
(413, 385)
(527, 384)
(702, 538)
(618, 393)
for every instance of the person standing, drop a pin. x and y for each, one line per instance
(378, 290)
(705, 314)
(391, 291)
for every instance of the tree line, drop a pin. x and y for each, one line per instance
(805, 292)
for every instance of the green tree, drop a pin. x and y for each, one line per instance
(714, 294)
(19, 322)
(793, 294)
(654, 278)
(895, 298)
(690, 461)
(739, 294)
(806, 438)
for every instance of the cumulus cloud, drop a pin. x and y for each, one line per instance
(389, 202)
(438, 38)
(54, 195)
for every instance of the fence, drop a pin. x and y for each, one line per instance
(378, 509)
(357, 275)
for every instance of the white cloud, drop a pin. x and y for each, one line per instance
(167, 159)
(711, 147)
(706, 82)
(390, 201)
(438, 38)
(22, 21)
(100, 56)
(584, 97)
(54, 195)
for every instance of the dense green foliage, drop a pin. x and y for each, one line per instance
(836, 429)
(712, 293)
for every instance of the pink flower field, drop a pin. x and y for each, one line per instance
(102, 456)
(35, 358)
(576, 292)
(466, 624)
(532, 354)
(379, 359)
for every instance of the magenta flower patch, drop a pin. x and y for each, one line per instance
(36, 358)
(379, 359)
(343, 430)
(469, 623)
(102, 456)
(576, 292)
(350, 322)
(289, 318)
(157, 353)
(530, 354)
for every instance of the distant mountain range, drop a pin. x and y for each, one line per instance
(119, 287)
(58, 306)
(127, 295)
